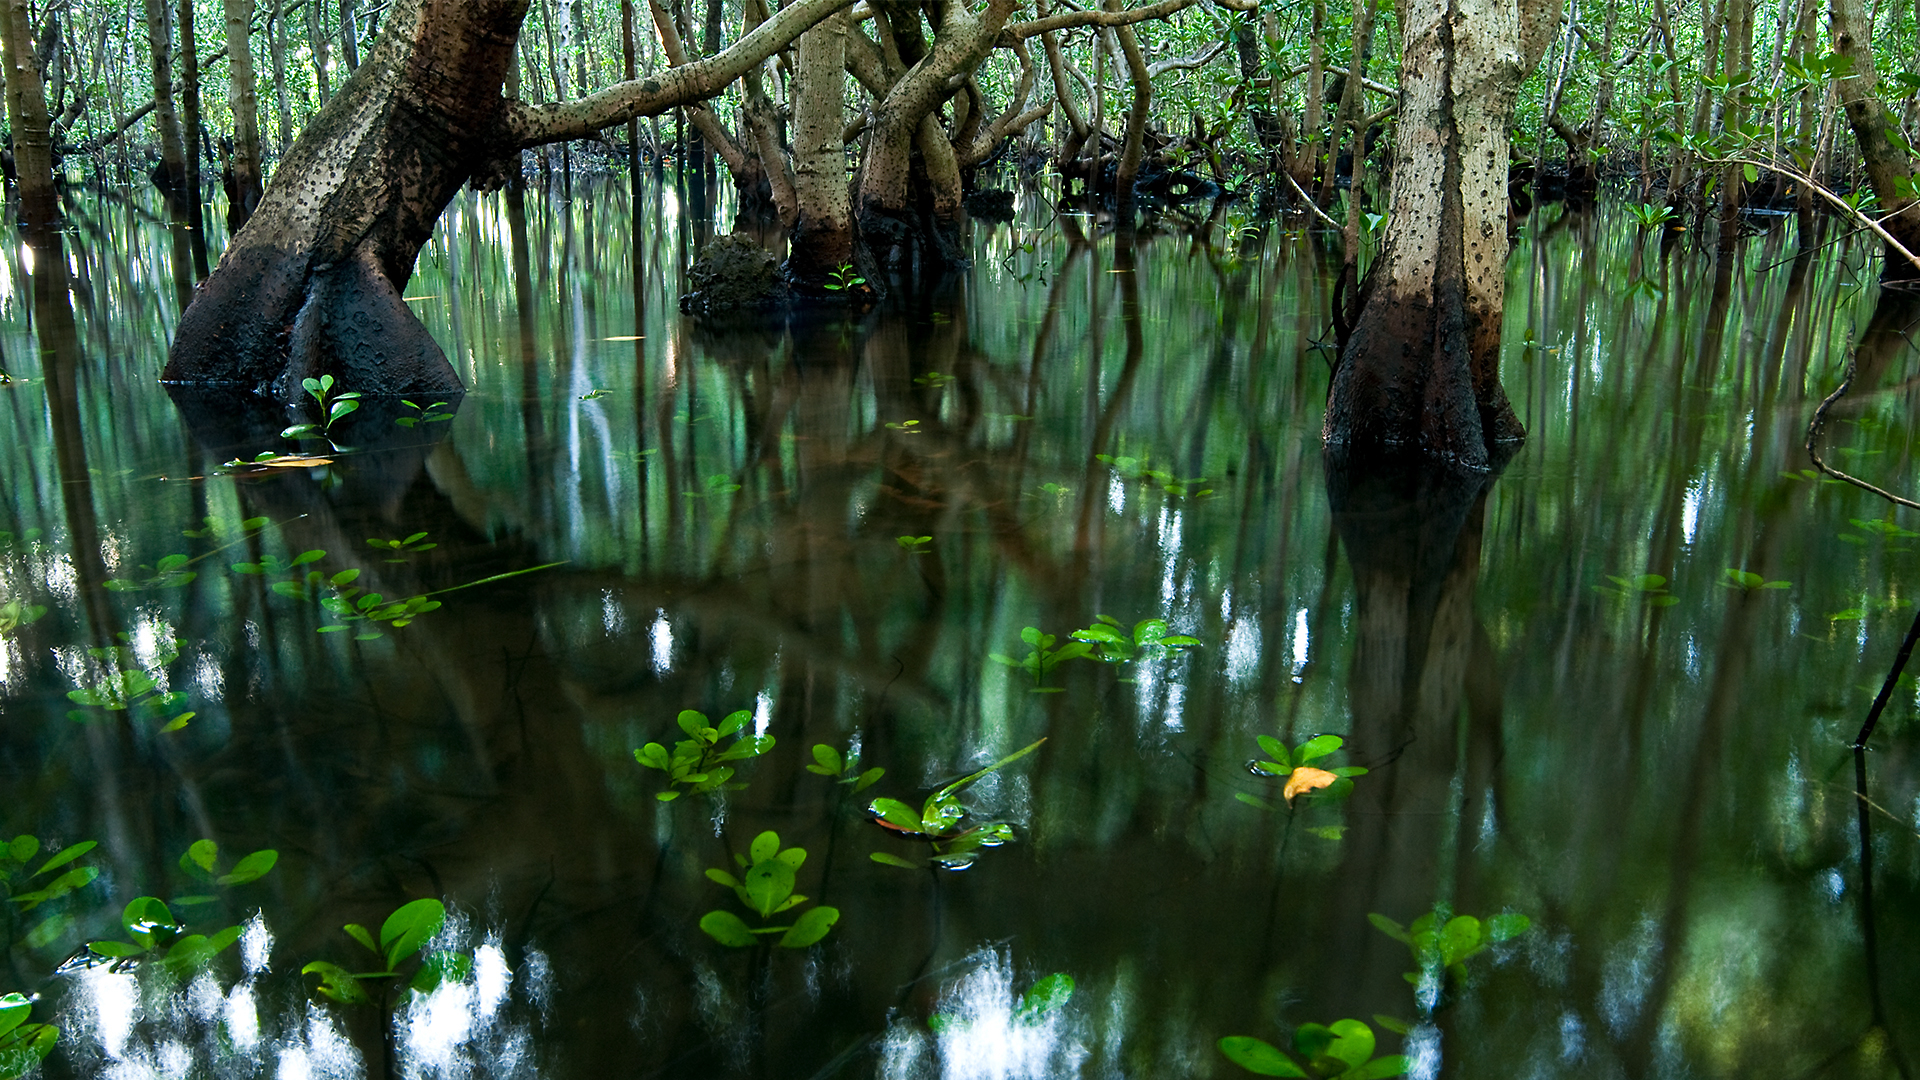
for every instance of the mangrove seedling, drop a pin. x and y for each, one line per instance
(169, 573)
(1748, 581)
(334, 407)
(28, 890)
(940, 820)
(914, 545)
(1042, 657)
(1319, 1052)
(828, 762)
(1441, 946)
(1649, 587)
(431, 414)
(766, 888)
(153, 933)
(1148, 640)
(400, 549)
(129, 684)
(1297, 765)
(698, 763)
(404, 933)
(23, 1046)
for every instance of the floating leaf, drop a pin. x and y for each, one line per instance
(809, 928)
(1306, 779)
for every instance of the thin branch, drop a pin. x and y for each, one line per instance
(1185, 63)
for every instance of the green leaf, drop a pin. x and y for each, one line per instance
(440, 966)
(767, 885)
(24, 847)
(1045, 996)
(362, 935)
(897, 813)
(411, 926)
(1258, 1056)
(13, 1011)
(251, 868)
(49, 930)
(117, 950)
(971, 777)
(1507, 927)
(868, 779)
(734, 721)
(828, 760)
(338, 983)
(693, 724)
(200, 855)
(1380, 1068)
(1390, 928)
(143, 915)
(1253, 800)
(653, 756)
(884, 859)
(723, 878)
(1317, 747)
(66, 854)
(1276, 750)
(809, 928)
(1352, 1043)
(727, 928)
(764, 846)
(1752, 174)
(1459, 939)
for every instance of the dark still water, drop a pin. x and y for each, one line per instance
(1605, 699)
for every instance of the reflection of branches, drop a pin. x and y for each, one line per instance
(1813, 440)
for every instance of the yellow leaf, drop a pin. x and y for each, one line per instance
(1305, 779)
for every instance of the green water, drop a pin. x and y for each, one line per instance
(1657, 775)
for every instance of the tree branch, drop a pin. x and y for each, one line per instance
(534, 125)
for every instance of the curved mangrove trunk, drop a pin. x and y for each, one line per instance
(1889, 170)
(312, 284)
(1421, 367)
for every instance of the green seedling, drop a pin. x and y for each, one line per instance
(404, 933)
(1042, 657)
(940, 822)
(169, 573)
(842, 278)
(8, 540)
(57, 876)
(1141, 469)
(1650, 215)
(431, 414)
(698, 763)
(846, 770)
(1148, 640)
(717, 484)
(271, 567)
(400, 549)
(1319, 1052)
(766, 888)
(1304, 777)
(595, 394)
(1749, 581)
(1046, 996)
(129, 684)
(1651, 588)
(933, 378)
(1441, 947)
(23, 1046)
(906, 427)
(154, 934)
(15, 614)
(335, 407)
(914, 545)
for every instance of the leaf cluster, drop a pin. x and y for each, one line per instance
(828, 762)
(1441, 946)
(1045, 996)
(23, 1046)
(766, 888)
(127, 684)
(1303, 776)
(1149, 639)
(404, 933)
(1343, 1049)
(940, 821)
(698, 762)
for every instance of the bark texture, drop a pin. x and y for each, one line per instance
(1888, 169)
(1421, 366)
(312, 284)
(27, 114)
(822, 240)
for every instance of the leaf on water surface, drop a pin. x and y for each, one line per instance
(810, 928)
(1259, 1056)
(727, 928)
(1045, 996)
(1305, 779)
(884, 859)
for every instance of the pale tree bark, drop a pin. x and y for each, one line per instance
(245, 192)
(312, 284)
(822, 240)
(1888, 170)
(1420, 370)
(171, 174)
(317, 42)
(27, 114)
(190, 135)
(1132, 149)
(278, 45)
(1352, 109)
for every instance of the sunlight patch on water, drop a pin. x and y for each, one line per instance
(661, 637)
(1301, 634)
(1690, 513)
(762, 712)
(983, 1036)
(1243, 649)
(1628, 974)
(613, 618)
